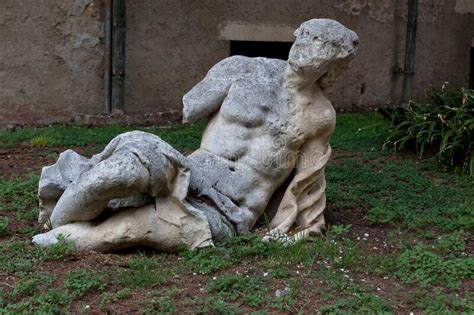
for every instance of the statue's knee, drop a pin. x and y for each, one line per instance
(119, 172)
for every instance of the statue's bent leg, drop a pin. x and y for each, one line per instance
(129, 228)
(56, 178)
(121, 175)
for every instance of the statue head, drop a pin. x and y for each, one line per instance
(323, 48)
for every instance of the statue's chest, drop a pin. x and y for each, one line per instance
(252, 103)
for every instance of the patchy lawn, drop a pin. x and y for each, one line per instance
(399, 240)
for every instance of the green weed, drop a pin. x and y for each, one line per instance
(146, 272)
(215, 305)
(80, 282)
(57, 251)
(440, 303)
(251, 290)
(162, 305)
(206, 260)
(20, 195)
(419, 264)
(362, 303)
(400, 191)
(17, 255)
(340, 253)
(451, 245)
(53, 301)
(339, 281)
(31, 282)
(108, 297)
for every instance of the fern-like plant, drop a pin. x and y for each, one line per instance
(444, 126)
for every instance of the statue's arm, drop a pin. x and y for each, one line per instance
(207, 96)
(301, 209)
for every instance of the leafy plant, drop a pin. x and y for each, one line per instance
(440, 303)
(444, 125)
(58, 250)
(82, 281)
(29, 283)
(163, 305)
(419, 264)
(108, 297)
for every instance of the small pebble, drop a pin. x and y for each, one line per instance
(280, 293)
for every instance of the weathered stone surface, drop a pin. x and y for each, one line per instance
(268, 120)
(51, 60)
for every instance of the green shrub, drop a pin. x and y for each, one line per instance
(443, 125)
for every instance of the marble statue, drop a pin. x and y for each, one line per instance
(268, 123)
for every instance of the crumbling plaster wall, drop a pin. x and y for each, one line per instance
(51, 51)
(172, 44)
(51, 57)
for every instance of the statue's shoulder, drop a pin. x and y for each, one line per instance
(238, 66)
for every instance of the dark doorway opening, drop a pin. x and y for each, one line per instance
(471, 73)
(278, 50)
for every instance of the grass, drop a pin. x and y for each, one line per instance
(359, 304)
(404, 191)
(145, 272)
(182, 137)
(399, 240)
(19, 195)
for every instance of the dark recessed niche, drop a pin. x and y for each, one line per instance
(278, 50)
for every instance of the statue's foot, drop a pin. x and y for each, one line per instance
(79, 234)
(45, 239)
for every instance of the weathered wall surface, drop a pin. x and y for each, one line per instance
(51, 51)
(50, 60)
(172, 44)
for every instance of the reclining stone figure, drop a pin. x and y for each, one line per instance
(268, 122)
